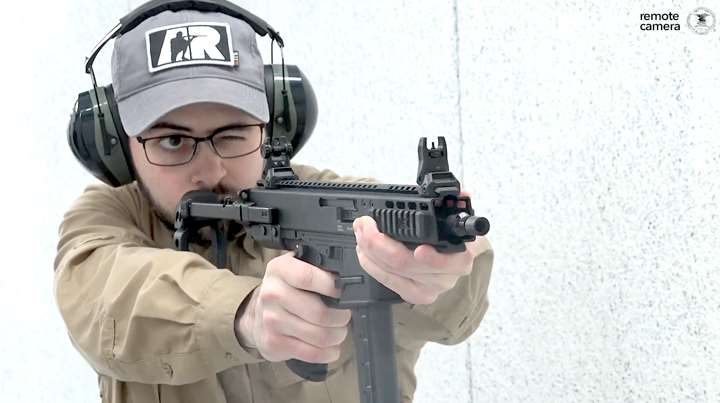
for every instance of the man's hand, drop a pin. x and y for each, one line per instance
(285, 318)
(419, 276)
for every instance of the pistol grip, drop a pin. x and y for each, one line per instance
(306, 370)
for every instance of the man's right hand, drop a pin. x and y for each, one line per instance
(285, 318)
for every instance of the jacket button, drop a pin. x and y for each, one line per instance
(168, 369)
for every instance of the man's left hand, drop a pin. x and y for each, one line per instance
(418, 276)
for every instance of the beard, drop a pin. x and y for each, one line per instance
(167, 217)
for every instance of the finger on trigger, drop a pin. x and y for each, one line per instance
(311, 309)
(304, 276)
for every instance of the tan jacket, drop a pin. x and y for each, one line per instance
(157, 324)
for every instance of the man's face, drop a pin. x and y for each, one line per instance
(165, 185)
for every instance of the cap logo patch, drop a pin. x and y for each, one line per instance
(187, 44)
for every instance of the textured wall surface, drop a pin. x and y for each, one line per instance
(590, 145)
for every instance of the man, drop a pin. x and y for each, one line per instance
(160, 325)
(180, 44)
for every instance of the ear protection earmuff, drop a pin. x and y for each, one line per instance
(95, 132)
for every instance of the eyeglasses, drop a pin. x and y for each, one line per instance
(179, 149)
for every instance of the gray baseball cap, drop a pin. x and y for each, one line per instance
(178, 58)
